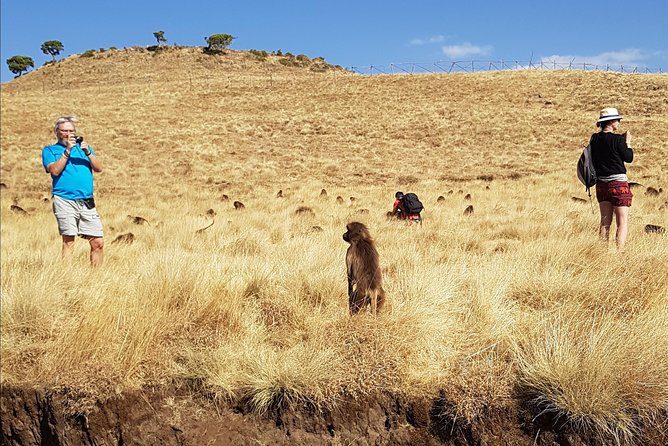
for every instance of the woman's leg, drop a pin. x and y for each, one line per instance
(606, 209)
(622, 219)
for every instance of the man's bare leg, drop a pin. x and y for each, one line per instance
(68, 244)
(96, 251)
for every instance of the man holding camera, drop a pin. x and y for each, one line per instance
(71, 163)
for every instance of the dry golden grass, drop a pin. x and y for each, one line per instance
(516, 302)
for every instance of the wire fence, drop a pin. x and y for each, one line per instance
(474, 66)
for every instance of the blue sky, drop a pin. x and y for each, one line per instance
(354, 33)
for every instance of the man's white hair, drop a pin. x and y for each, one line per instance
(63, 119)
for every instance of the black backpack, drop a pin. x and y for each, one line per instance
(585, 170)
(412, 204)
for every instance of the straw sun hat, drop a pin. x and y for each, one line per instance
(608, 114)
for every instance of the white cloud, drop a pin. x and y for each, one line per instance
(466, 50)
(429, 40)
(630, 56)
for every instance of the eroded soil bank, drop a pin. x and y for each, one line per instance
(168, 417)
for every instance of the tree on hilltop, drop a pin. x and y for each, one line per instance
(52, 47)
(160, 37)
(19, 64)
(218, 42)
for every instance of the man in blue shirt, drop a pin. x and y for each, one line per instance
(71, 163)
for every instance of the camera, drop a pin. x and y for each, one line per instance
(79, 139)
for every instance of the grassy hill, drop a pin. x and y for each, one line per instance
(518, 303)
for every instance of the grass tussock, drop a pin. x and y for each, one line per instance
(516, 302)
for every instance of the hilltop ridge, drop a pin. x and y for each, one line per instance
(155, 63)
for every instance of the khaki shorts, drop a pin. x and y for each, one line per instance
(76, 218)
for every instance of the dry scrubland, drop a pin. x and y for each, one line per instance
(517, 302)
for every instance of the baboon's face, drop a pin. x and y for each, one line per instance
(356, 231)
(346, 235)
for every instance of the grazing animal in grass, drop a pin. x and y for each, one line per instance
(468, 210)
(137, 220)
(323, 193)
(238, 205)
(279, 194)
(655, 229)
(15, 208)
(653, 192)
(364, 277)
(305, 211)
(339, 199)
(127, 239)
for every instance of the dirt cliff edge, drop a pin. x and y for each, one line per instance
(170, 417)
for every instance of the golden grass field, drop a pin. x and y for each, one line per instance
(519, 301)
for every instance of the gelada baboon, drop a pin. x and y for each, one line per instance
(364, 278)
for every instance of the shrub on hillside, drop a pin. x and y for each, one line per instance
(89, 53)
(288, 62)
(259, 54)
(157, 48)
(216, 43)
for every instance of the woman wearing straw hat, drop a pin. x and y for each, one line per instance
(609, 152)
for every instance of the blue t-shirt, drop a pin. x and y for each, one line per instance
(75, 182)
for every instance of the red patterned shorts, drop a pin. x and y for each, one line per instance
(616, 192)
